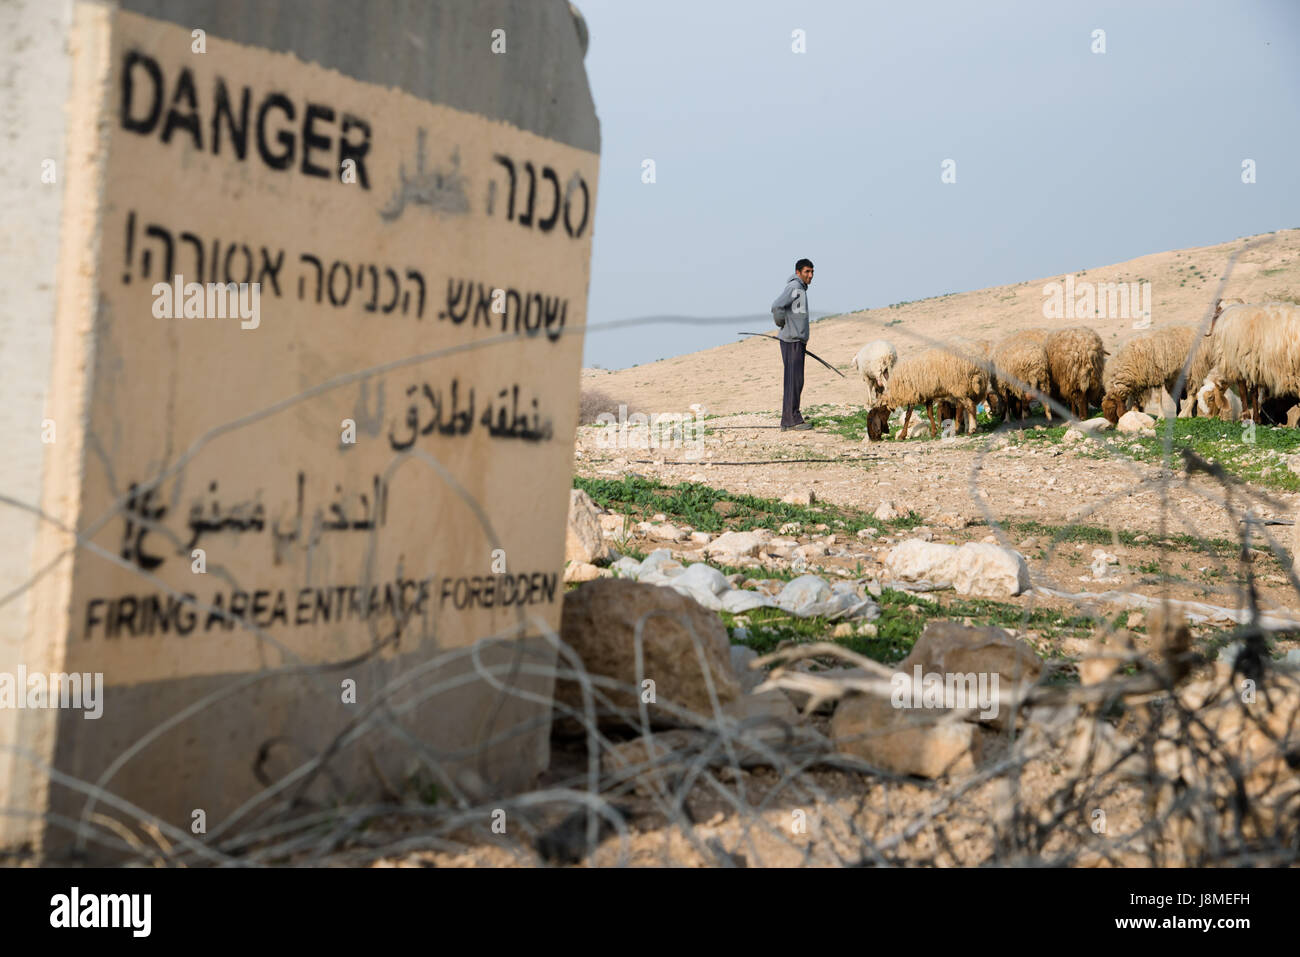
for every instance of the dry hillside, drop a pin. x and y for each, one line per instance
(746, 376)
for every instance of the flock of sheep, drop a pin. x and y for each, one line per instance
(1250, 354)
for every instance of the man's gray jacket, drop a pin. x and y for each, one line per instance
(792, 307)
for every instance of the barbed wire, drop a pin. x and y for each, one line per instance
(1168, 742)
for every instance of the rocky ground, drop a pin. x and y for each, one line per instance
(818, 563)
(1103, 536)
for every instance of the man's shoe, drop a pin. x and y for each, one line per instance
(802, 427)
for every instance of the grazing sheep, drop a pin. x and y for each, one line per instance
(1075, 358)
(1215, 399)
(1258, 347)
(980, 352)
(874, 362)
(1151, 361)
(937, 374)
(1020, 367)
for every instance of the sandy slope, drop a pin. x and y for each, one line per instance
(746, 376)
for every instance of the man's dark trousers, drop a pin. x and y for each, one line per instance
(792, 354)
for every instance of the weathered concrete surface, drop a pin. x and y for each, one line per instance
(33, 88)
(347, 557)
(438, 51)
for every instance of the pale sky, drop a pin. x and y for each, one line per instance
(1065, 159)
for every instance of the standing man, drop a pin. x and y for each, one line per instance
(790, 313)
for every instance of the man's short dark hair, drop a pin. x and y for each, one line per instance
(802, 264)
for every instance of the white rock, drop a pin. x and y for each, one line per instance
(667, 533)
(627, 567)
(738, 544)
(983, 570)
(581, 572)
(885, 512)
(1135, 422)
(583, 541)
(800, 498)
(1073, 435)
(613, 524)
(1093, 426)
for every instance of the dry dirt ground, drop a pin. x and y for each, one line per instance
(963, 489)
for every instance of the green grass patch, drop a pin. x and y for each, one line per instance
(1241, 452)
(902, 619)
(710, 509)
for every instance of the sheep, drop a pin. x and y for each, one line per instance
(874, 362)
(1075, 357)
(979, 352)
(1215, 399)
(1151, 361)
(1020, 367)
(1258, 347)
(937, 374)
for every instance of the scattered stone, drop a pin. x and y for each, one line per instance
(667, 533)
(980, 569)
(580, 572)
(701, 538)
(613, 524)
(843, 630)
(598, 622)
(922, 742)
(1135, 422)
(790, 528)
(1073, 435)
(885, 512)
(800, 498)
(811, 550)
(583, 541)
(732, 545)
(1093, 426)
(949, 648)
